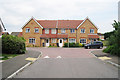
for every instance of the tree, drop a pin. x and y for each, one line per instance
(114, 40)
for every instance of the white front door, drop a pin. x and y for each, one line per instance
(60, 42)
(47, 42)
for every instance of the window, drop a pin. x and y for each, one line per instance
(83, 41)
(65, 40)
(71, 40)
(46, 31)
(27, 29)
(32, 40)
(62, 30)
(53, 31)
(72, 30)
(91, 30)
(53, 40)
(82, 30)
(36, 30)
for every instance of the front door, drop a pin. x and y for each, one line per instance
(60, 42)
(47, 42)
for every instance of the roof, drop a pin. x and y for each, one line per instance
(93, 36)
(2, 27)
(60, 23)
(20, 34)
(53, 36)
(15, 33)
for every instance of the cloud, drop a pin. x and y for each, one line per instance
(16, 12)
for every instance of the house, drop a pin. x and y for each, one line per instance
(101, 36)
(53, 32)
(2, 28)
(19, 34)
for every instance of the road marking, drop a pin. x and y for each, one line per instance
(59, 57)
(46, 57)
(104, 58)
(31, 59)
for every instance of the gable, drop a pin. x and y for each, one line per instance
(88, 22)
(34, 21)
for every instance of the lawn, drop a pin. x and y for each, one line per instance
(8, 56)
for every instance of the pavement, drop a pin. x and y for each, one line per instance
(11, 65)
(68, 63)
(106, 57)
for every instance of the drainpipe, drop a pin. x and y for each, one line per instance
(68, 35)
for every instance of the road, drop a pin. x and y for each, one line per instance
(68, 63)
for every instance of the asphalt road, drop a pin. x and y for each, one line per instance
(81, 64)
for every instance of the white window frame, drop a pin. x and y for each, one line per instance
(32, 40)
(72, 30)
(46, 31)
(83, 42)
(27, 30)
(72, 41)
(37, 30)
(91, 30)
(62, 30)
(82, 31)
(53, 31)
(53, 40)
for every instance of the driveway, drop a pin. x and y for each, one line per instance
(68, 63)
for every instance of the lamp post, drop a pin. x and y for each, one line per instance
(68, 35)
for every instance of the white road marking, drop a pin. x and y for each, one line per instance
(59, 57)
(46, 57)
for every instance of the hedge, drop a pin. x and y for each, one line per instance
(13, 44)
(73, 45)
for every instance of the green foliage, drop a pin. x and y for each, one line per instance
(73, 45)
(13, 44)
(114, 41)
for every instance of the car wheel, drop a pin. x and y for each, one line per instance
(88, 47)
(101, 47)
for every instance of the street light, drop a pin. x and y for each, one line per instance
(68, 35)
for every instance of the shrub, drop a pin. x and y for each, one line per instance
(80, 44)
(13, 44)
(73, 45)
(108, 49)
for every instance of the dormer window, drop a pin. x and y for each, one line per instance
(46, 31)
(53, 31)
(62, 30)
(27, 30)
(72, 30)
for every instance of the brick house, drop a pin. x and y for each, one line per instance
(53, 32)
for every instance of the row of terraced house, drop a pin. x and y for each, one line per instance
(57, 32)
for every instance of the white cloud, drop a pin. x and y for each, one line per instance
(16, 12)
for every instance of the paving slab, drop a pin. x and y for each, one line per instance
(11, 65)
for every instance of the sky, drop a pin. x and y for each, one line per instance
(15, 13)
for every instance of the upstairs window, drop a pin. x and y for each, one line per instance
(27, 30)
(62, 30)
(82, 41)
(46, 31)
(82, 30)
(32, 40)
(36, 30)
(72, 30)
(91, 30)
(53, 31)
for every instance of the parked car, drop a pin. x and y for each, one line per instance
(95, 44)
